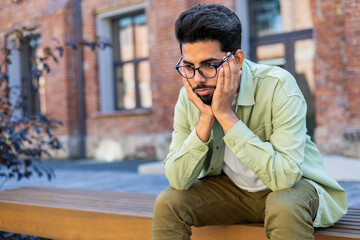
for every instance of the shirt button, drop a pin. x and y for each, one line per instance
(202, 149)
(231, 143)
(217, 147)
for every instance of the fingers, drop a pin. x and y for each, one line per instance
(227, 85)
(188, 87)
(231, 76)
(227, 76)
(220, 80)
(190, 93)
(192, 96)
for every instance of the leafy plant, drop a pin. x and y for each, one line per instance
(25, 140)
(15, 236)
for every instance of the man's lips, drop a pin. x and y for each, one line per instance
(204, 91)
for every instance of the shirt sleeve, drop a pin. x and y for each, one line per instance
(276, 161)
(187, 152)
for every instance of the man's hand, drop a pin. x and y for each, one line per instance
(226, 88)
(205, 109)
(207, 119)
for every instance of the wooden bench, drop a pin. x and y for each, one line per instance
(86, 214)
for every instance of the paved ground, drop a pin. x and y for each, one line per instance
(124, 176)
(89, 174)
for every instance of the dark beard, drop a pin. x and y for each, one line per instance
(207, 99)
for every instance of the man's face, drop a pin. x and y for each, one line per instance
(198, 54)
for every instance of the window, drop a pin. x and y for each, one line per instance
(30, 84)
(131, 62)
(269, 17)
(21, 76)
(282, 36)
(265, 17)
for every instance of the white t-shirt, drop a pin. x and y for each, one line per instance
(240, 174)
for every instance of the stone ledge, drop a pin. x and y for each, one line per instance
(352, 143)
(154, 168)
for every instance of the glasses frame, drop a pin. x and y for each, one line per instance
(177, 67)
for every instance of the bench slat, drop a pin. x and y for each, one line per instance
(350, 234)
(85, 214)
(119, 203)
(348, 216)
(355, 223)
(347, 226)
(48, 192)
(58, 223)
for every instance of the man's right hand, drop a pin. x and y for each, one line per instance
(207, 119)
(205, 109)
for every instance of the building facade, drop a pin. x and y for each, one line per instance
(118, 102)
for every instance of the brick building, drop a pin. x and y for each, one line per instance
(118, 103)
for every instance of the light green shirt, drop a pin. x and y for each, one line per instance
(270, 139)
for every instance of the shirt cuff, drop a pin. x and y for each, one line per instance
(237, 136)
(194, 143)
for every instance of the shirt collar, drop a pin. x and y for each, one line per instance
(246, 93)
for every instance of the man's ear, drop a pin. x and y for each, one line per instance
(239, 57)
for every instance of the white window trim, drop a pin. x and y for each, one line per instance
(105, 57)
(14, 71)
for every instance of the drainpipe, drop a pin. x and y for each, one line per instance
(80, 81)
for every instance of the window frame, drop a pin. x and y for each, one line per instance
(288, 39)
(253, 28)
(32, 104)
(20, 74)
(118, 62)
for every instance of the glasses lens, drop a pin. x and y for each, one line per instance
(186, 72)
(208, 71)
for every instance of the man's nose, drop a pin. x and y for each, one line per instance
(198, 78)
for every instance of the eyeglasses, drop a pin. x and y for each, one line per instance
(207, 71)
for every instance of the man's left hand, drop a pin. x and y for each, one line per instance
(227, 86)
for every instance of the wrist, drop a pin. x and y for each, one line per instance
(208, 117)
(223, 112)
(227, 120)
(204, 127)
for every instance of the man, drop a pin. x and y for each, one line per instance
(239, 150)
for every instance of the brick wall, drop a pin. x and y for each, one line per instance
(337, 38)
(145, 134)
(16, 16)
(352, 41)
(61, 92)
(53, 19)
(138, 135)
(163, 54)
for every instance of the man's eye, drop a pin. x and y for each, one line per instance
(208, 65)
(188, 67)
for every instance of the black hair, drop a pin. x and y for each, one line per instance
(205, 22)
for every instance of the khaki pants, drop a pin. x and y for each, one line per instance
(286, 214)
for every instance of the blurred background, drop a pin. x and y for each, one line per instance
(117, 103)
(106, 69)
